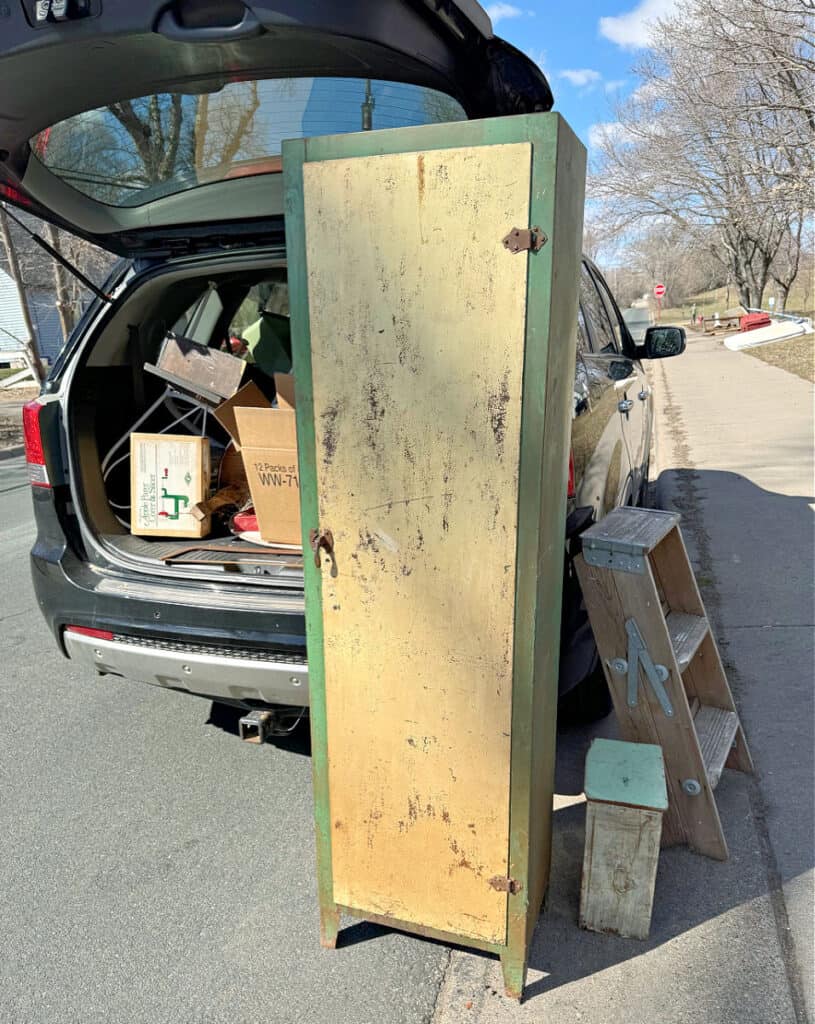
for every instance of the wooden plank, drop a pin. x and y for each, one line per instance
(626, 773)
(417, 419)
(201, 368)
(619, 869)
(705, 677)
(674, 574)
(706, 680)
(686, 633)
(716, 729)
(637, 527)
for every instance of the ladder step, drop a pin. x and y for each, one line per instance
(686, 632)
(715, 729)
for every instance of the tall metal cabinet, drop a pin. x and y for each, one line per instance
(434, 351)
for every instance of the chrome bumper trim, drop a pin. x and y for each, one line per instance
(217, 677)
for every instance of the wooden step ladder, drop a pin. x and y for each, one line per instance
(662, 665)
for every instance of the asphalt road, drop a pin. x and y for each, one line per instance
(152, 867)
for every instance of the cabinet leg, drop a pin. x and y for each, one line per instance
(329, 926)
(513, 966)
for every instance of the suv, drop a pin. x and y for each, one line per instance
(167, 153)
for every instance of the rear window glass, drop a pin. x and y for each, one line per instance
(136, 151)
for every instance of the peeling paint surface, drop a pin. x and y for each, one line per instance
(417, 318)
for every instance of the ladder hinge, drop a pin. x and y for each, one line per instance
(638, 654)
(524, 240)
(505, 884)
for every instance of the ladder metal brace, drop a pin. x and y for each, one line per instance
(655, 674)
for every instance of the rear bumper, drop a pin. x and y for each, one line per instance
(237, 645)
(240, 675)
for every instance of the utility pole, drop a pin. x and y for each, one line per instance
(63, 302)
(368, 105)
(17, 278)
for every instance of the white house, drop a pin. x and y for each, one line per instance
(13, 333)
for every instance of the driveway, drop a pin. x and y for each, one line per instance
(153, 869)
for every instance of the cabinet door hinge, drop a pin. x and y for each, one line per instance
(524, 240)
(505, 884)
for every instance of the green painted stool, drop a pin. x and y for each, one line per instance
(626, 796)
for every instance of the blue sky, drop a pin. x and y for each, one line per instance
(586, 48)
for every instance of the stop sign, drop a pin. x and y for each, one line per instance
(659, 290)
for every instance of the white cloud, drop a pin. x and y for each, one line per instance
(580, 76)
(614, 84)
(500, 12)
(603, 131)
(632, 29)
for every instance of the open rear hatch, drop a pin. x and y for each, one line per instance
(137, 125)
(154, 129)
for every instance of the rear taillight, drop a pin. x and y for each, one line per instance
(570, 484)
(34, 453)
(97, 634)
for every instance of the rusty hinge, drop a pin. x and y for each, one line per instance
(505, 884)
(524, 240)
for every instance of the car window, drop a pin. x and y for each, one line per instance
(599, 324)
(611, 310)
(140, 150)
(583, 343)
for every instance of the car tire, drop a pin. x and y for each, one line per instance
(587, 702)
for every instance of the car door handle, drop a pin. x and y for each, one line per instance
(625, 405)
(170, 27)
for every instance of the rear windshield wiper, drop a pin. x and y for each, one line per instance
(52, 252)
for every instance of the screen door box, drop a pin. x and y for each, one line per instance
(169, 474)
(433, 276)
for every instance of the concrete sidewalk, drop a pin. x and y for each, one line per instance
(733, 941)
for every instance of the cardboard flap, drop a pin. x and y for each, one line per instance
(266, 428)
(249, 396)
(284, 384)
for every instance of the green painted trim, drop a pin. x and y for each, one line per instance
(293, 159)
(558, 175)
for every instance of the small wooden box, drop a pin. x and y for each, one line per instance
(626, 797)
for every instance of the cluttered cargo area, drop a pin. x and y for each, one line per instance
(183, 428)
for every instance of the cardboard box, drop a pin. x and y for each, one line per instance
(248, 397)
(169, 474)
(268, 439)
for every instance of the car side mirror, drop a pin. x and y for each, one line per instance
(661, 342)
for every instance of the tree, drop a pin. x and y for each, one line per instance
(30, 343)
(711, 140)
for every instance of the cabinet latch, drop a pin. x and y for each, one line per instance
(323, 540)
(525, 240)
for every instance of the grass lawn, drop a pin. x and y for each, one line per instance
(718, 300)
(796, 355)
